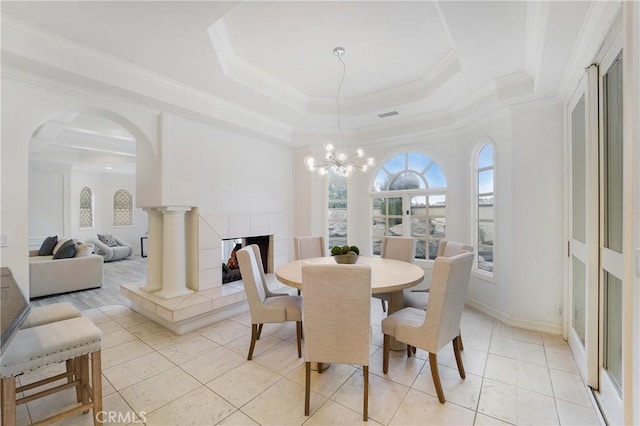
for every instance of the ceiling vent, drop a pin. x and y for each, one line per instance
(388, 114)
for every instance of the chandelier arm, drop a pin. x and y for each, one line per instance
(338, 160)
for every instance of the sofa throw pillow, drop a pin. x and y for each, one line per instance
(108, 240)
(83, 249)
(59, 244)
(46, 249)
(67, 250)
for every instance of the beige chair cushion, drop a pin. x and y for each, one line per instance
(39, 315)
(337, 313)
(37, 347)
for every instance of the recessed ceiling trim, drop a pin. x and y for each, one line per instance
(491, 97)
(250, 76)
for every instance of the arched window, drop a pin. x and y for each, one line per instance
(122, 208)
(485, 209)
(86, 207)
(409, 199)
(336, 209)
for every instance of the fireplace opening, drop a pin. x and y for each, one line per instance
(230, 268)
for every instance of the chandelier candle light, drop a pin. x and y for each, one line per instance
(339, 161)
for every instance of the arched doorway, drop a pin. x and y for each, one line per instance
(80, 164)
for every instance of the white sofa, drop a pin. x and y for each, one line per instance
(121, 251)
(48, 276)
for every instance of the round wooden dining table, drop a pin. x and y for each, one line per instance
(387, 276)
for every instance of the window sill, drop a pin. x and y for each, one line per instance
(484, 276)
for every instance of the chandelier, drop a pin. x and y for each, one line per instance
(338, 160)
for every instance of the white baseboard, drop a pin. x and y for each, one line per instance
(513, 321)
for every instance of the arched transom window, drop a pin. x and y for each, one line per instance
(122, 208)
(86, 207)
(409, 199)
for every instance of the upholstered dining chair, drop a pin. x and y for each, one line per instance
(396, 248)
(417, 297)
(264, 305)
(440, 324)
(337, 320)
(309, 247)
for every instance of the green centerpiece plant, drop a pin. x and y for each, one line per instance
(345, 254)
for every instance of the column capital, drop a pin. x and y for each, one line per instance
(174, 209)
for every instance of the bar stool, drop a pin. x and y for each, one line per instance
(76, 340)
(46, 314)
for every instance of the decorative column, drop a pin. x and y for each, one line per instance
(154, 251)
(174, 272)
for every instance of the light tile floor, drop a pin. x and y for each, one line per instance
(154, 377)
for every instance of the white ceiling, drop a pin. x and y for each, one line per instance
(438, 64)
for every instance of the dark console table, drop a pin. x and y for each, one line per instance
(142, 246)
(14, 308)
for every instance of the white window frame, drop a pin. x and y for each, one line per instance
(113, 209)
(481, 273)
(91, 207)
(406, 195)
(328, 209)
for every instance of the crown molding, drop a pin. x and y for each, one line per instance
(23, 41)
(66, 66)
(537, 18)
(600, 17)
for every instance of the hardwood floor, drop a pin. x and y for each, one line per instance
(126, 271)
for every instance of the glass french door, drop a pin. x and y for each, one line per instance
(418, 215)
(611, 233)
(582, 315)
(595, 154)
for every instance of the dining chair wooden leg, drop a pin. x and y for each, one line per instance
(457, 343)
(73, 373)
(461, 345)
(8, 401)
(385, 353)
(83, 377)
(409, 351)
(96, 385)
(320, 368)
(259, 331)
(433, 363)
(307, 387)
(365, 402)
(299, 337)
(254, 337)
(384, 308)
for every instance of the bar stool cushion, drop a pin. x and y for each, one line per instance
(37, 347)
(46, 314)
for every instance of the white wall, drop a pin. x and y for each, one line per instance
(46, 206)
(537, 238)
(224, 172)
